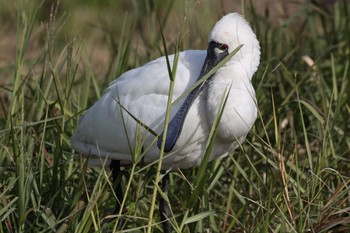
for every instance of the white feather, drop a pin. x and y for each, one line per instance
(143, 92)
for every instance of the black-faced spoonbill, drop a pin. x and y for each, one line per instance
(109, 130)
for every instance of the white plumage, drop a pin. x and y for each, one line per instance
(144, 92)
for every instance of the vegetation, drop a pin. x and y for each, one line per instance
(292, 174)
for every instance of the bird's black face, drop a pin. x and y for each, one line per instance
(216, 52)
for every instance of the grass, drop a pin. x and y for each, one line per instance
(291, 174)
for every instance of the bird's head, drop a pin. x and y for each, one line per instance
(228, 33)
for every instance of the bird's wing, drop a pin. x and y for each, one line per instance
(108, 128)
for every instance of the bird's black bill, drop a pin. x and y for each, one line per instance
(216, 52)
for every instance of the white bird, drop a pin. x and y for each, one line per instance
(109, 129)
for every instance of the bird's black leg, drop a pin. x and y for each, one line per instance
(116, 178)
(164, 208)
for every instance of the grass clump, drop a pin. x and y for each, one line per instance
(291, 174)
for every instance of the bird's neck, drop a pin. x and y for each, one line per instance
(233, 85)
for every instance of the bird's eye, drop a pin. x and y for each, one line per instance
(223, 47)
